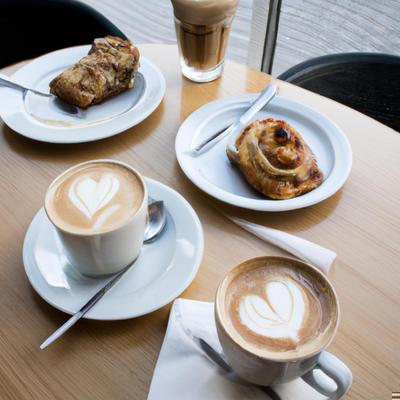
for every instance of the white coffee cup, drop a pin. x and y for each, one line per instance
(265, 370)
(97, 254)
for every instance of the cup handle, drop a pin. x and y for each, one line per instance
(334, 369)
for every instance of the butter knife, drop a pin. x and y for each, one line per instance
(261, 101)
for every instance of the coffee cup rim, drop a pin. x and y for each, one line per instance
(220, 311)
(79, 165)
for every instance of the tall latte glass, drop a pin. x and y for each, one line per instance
(202, 30)
(99, 210)
(275, 317)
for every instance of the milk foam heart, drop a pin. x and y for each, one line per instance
(90, 196)
(94, 197)
(278, 305)
(279, 315)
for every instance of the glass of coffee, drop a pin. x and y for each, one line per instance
(202, 30)
(275, 316)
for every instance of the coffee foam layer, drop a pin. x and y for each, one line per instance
(279, 309)
(204, 12)
(94, 198)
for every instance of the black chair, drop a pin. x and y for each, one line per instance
(367, 82)
(29, 28)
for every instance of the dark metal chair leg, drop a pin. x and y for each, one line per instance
(271, 35)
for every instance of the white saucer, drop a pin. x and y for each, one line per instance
(214, 174)
(36, 117)
(163, 271)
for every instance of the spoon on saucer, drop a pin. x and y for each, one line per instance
(60, 104)
(157, 221)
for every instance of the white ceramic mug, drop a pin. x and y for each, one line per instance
(97, 254)
(265, 371)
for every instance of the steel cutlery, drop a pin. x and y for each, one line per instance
(157, 221)
(218, 359)
(262, 100)
(61, 105)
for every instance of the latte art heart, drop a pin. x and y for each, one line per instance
(95, 197)
(279, 315)
(277, 307)
(89, 196)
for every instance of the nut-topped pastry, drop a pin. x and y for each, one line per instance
(275, 160)
(105, 72)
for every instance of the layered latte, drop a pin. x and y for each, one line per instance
(202, 29)
(280, 309)
(94, 197)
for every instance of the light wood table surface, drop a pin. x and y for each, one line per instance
(115, 360)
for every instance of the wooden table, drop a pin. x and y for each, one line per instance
(115, 360)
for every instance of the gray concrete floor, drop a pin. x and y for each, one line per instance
(308, 28)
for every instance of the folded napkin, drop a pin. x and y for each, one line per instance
(183, 372)
(307, 251)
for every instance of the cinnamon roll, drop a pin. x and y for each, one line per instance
(275, 160)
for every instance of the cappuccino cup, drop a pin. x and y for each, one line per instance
(99, 211)
(275, 317)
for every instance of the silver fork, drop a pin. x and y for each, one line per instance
(61, 105)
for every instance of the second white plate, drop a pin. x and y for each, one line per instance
(36, 117)
(164, 269)
(214, 174)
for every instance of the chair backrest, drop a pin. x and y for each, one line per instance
(309, 28)
(367, 82)
(30, 28)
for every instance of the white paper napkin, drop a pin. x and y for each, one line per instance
(310, 252)
(183, 372)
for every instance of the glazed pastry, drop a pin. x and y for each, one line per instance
(106, 71)
(275, 160)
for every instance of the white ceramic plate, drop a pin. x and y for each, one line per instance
(164, 269)
(214, 174)
(36, 117)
